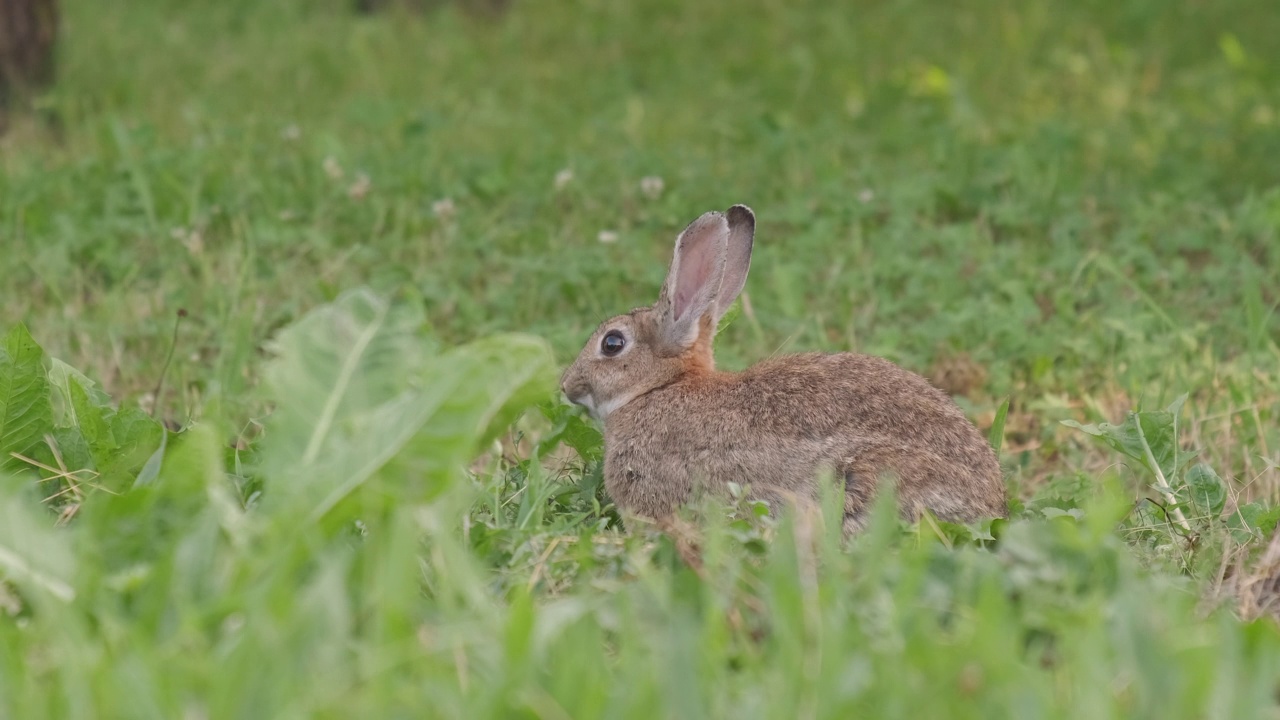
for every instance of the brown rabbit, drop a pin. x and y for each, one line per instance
(674, 426)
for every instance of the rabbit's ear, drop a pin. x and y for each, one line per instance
(694, 278)
(742, 231)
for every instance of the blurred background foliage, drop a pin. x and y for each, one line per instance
(1074, 206)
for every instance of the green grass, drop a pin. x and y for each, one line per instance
(374, 506)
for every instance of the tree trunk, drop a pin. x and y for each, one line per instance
(28, 30)
(480, 8)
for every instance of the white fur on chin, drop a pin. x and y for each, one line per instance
(608, 407)
(602, 410)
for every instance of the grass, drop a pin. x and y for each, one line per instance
(368, 503)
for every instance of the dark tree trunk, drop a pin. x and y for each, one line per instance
(368, 7)
(28, 30)
(481, 8)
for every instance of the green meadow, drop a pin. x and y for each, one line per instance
(285, 290)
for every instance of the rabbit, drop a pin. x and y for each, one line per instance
(676, 427)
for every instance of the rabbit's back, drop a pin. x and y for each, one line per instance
(779, 424)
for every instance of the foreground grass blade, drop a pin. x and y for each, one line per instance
(32, 554)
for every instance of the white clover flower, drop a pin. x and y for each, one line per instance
(607, 236)
(191, 238)
(332, 168)
(444, 208)
(652, 186)
(360, 187)
(564, 177)
(194, 242)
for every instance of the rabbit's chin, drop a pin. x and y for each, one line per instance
(600, 411)
(587, 401)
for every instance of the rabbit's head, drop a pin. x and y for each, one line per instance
(647, 348)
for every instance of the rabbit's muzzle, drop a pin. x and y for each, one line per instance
(577, 391)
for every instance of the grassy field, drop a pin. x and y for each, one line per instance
(386, 234)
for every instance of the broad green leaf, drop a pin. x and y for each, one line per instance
(119, 443)
(1208, 491)
(574, 432)
(504, 375)
(1122, 438)
(353, 389)
(73, 452)
(137, 437)
(570, 429)
(151, 468)
(1256, 517)
(497, 378)
(61, 377)
(92, 421)
(25, 412)
(370, 440)
(341, 380)
(337, 361)
(68, 451)
(1144, 436)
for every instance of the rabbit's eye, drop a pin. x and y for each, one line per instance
(612, 343)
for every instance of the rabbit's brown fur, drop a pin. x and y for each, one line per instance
(675, 426)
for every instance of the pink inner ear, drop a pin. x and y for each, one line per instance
(695, 271)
